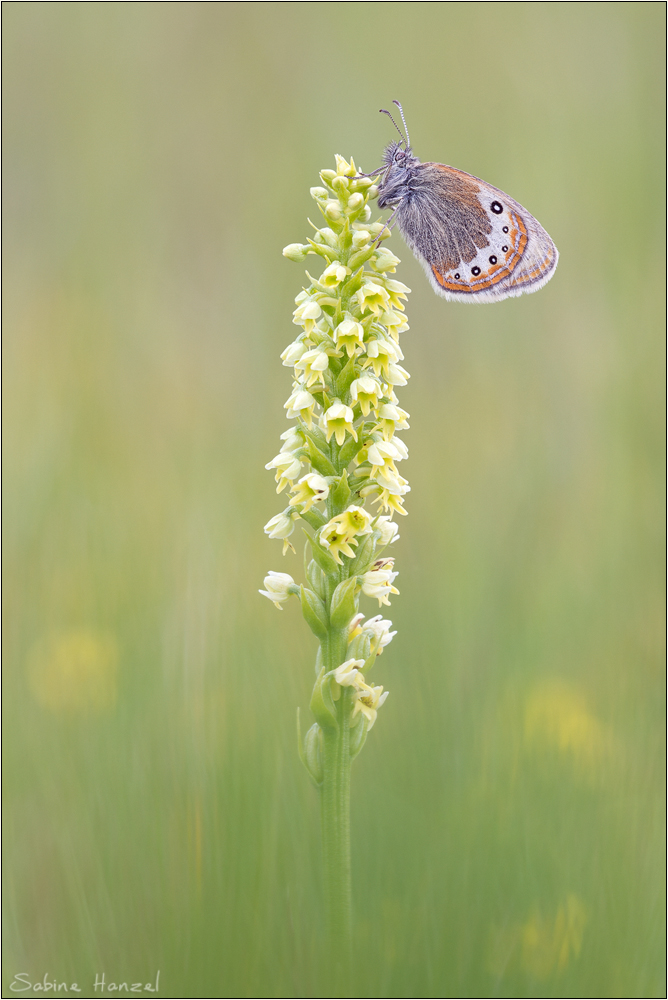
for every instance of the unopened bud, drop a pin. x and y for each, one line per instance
(296, 251)
(333, 211)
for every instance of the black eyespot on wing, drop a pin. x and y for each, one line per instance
(492, 259)
(505, 229)
(505, 249)
(496, 207)
(458, 275)
(475, 271)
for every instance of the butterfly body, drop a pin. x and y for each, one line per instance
(475, 243)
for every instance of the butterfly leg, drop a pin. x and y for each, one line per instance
(389, 225)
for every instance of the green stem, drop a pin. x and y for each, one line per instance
(335, 805)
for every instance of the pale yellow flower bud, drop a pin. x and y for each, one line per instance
(333, 211)
(278, 587)
(360, 238)
(296, 251)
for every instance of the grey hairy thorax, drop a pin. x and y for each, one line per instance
(400, 168)
(437, 209)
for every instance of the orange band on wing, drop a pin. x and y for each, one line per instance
(496, 273)
(538, 271)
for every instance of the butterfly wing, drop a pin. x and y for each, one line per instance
(475, 243)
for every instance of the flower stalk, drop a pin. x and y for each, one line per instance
(338, 462)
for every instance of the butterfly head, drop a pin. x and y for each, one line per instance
(398, 165)
(397, 154)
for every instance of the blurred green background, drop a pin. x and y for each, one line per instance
(507, 811)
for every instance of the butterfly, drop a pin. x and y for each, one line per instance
(475, 243)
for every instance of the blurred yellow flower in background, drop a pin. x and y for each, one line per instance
(542, 945)
(549, 943)
(74, 671)
(556, 716)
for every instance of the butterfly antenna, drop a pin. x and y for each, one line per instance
(401, 112)
(384, 112)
